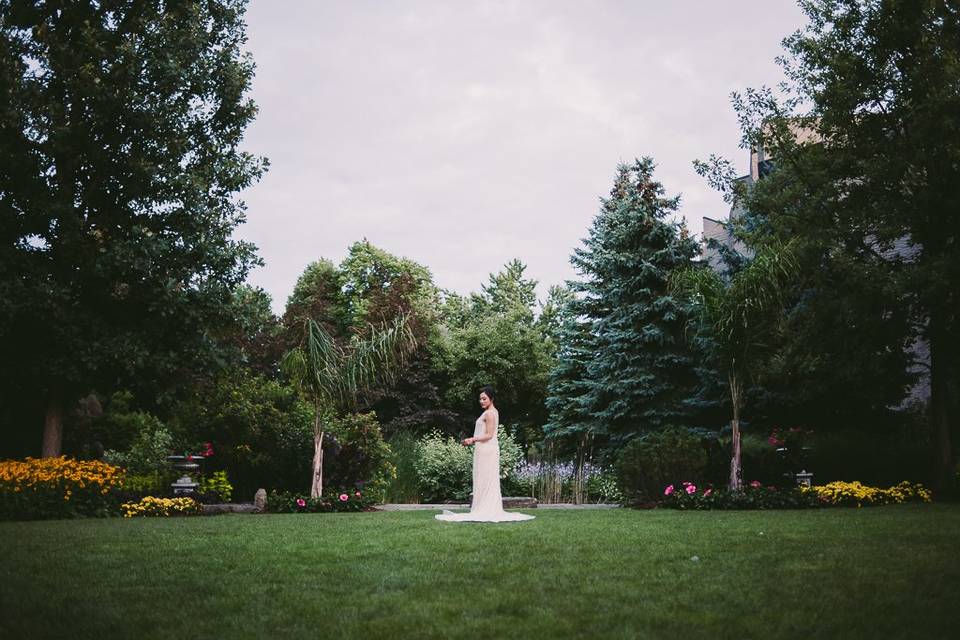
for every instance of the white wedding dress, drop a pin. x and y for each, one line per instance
(487, 503)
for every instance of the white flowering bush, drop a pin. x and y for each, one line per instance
(444, 467)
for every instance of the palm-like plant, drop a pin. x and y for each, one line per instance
(333, 375)
(739, 314)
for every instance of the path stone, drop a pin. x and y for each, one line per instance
(464, 505)
(260, 500)
(214, 509)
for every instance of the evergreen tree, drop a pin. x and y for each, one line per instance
(568, 388)
(639, 368)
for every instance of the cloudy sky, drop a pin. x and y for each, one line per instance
(464, 134)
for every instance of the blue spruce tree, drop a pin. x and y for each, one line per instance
(635, 370)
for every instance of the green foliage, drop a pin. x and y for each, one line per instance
(444, 467)
(356, 456)
(754, 496)
(120, 139)
(219, 483)
(332, 374)
(623, 365)
(604, 487)
(403, 452)
(510, 356)
(863, 142)
(568, 391)
(650, 462)
(148, 453)
(261, 430)
(373, 287)
(336, 501)
(495, 341)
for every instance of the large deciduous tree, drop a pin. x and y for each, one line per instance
(120, 132)
(494, 338)
(865, 148)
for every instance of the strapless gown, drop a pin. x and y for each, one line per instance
(487, 505)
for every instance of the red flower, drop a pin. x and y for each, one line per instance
(755, 484)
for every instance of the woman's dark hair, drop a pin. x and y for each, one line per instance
(490, 393)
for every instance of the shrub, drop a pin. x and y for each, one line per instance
(356, 457)
(651, 461)
(217, 483)
(402, 487)
(757, 496)
(286, 502)
(149, 451)
(444, 467)
(149, 484)
(151, 506)
(688, 495)
(57, 488)
(603, 487)
(261, 430)
(855, 494)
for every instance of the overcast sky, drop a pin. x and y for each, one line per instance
(464, 134)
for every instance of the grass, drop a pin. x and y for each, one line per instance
(891, 572)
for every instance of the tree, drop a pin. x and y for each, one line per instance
(379, 287)
(640, 368)
(865, 141)
(120, 128)
(740, 316)
(332, 376)
(571, 427)
(496, 340)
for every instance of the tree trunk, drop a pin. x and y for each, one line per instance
(735, 400)
(316, 486)
(53, 429)
(940, 407)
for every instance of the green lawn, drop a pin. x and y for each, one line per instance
(885, 572)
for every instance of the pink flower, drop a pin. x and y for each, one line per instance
(686, 484)
(668, 490)
(301, 502)
(344, 497)
(357, 493)
(691, 489)
(707, 492)
(755, 484)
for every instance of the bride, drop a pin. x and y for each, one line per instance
(487, 503)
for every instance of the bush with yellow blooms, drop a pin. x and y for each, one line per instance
(152, 506)
(61, 487)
